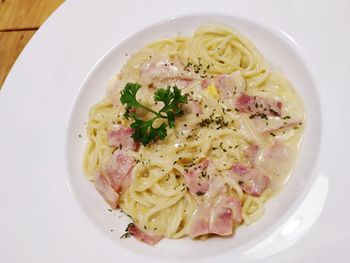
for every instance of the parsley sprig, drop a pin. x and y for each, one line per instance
(143, 130)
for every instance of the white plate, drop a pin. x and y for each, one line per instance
(282, 52)
(51, 214)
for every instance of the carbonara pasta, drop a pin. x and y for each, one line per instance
(230, 150)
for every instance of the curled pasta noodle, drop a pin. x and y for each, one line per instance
(253, 209)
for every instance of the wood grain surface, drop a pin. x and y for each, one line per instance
(21, 14)
(19, 20)
(11, 45)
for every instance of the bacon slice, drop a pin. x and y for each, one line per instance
(217, 211)
(118, 169)
(273, 123)
(235, 205)
(278, 159)
(163, 69)
(205, 83)
(227, 212)
(140, 235)
(180, 82)
(222, 221)
(251, 180)
(258, 105)
(200, 224)
(106, 190)
(184, 82)
(217, 217)
(227, 85)
(160, 68)
(121, 137)
(193, 106)
(196, 179)
(252, 153)
(117, 83)
(230, 85)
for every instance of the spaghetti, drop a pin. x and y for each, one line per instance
(237, 139)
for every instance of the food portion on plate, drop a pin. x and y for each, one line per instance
(193, 136)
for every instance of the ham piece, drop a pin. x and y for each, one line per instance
(227, 85)
(251, 180)
(114, 176)
(163, 72)
(272, 124)
(252, 153)
(277, 159)
(258, 105)
(217, 211)
(227, 212)
(140, 235)
(106, 190)
(193, 107)
(196, 179)
(230, 85)
(216, 217)
(121, 137)
(118, 169)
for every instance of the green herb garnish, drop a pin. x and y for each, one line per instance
(127, 234)
(143, 130)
